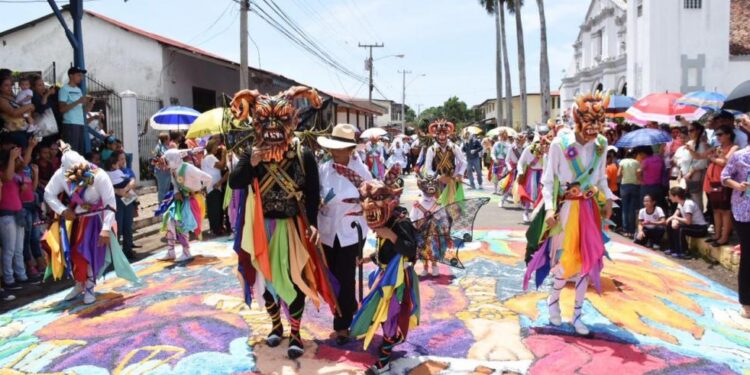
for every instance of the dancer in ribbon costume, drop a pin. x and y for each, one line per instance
(511, 165)
(435, 244)
(277, 242)
(499, 150)
(530, 167)
(446, 162)
(184, 208)
(568, 239)
(375, 157)
(82, 241)
(393, 300)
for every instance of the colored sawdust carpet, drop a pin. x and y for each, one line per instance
(653, 316)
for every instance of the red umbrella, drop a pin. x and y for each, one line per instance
(662, 108)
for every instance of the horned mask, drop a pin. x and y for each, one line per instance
(274, 118)
(380, 198)
(589, 114)
(441, 130)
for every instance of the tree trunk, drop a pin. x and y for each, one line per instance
(544, 65)
(521, 64)
(506, 67)
(498, 69)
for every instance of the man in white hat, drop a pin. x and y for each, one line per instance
(340, 179)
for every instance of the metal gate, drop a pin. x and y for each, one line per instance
(109, 102)
(147, 137)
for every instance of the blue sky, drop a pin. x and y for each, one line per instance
(451, 42)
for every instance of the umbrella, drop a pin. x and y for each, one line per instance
(496, 131)
(739, 99)
(173, 118)
(643, 137)
(662, 108)
(618, 104)
(211, 122)
(473, 130)
(373, 132)
(708, 100)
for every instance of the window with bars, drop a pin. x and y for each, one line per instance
(693, 4)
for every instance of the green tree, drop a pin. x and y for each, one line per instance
(494, 8)
(456, 110)
(410, 114)
(514, 7)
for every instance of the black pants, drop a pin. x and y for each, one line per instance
(215, 211)
(653, 235)
(342, 261)
(743, 232)
(678, 237)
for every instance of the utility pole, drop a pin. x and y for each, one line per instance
(245, 8)
(403, 100)
(368, 63)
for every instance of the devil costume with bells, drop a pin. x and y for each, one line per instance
(277, 241)
(82, 241)
(446, 162)
(393, 300)
(566, 236)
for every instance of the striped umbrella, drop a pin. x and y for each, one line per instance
(708, 100)
(173, 118)
(662, 108)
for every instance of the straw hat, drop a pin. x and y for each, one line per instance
(342, 136)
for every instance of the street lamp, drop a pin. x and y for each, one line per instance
(403, 96)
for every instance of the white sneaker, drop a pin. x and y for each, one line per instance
(554, 313)
(502, 203)
(581, 328)
(185, 256)
(89, 298)
(526, 217)
(74, 293)
(424, 272)
(435, 270)
(169, 257)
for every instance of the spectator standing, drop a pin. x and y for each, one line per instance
(125, 196)
(687, 221)
(32, 250)
(215, 164)
(652, 224)
(11, 112)
(736, 175)
(651, 175)
(719, 195)
(614, 182)
(161, 171)
(630, 191)
(472, 148)
(72, 104)
(697, 147)
(45, 106)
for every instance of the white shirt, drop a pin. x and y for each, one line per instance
(499, 150)
(24, 97)
(459, 159)
(101, 190)
(653, 217)
(333, 217)
(511, 157)
(207, 165)
(428, 203)
(558, 166)
(398, 152)
(689, 207)
(527, 159)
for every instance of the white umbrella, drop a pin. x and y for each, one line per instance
(373, 132)
(496, 131)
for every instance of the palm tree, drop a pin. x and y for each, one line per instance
(506, 66)
(492, 7)
(514, 7)
(544, 64)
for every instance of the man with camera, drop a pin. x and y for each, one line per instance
(72, 103)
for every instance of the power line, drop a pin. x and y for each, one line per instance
(229, 5)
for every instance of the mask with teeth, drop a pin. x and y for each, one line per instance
(274, 117)
(589, 115)
(441, 130)
(428, 185)
(378, 201)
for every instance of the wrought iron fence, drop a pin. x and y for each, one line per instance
(147, 137)
(109, 102)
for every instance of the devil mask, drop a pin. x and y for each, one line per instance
(428, 185)
(441, 130)
(380, 198)
(274, 117)
(589, 115)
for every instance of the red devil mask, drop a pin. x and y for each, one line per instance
(589, 115)
(441, 130)
(274, 117)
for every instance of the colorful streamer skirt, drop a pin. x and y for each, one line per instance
(72, 246)
(451, 193)
(577, 246)
(530, 191)
(377, 169)
(188, 214)
(280, 252)
(497, 170)
(393, 301)
(506, 183)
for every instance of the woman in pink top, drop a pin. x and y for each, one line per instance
(650, 175)
(11, 233)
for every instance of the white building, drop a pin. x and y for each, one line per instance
(638, 47)
(599, 60)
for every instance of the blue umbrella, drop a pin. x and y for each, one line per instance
(173, 118)
(643, 137)
(620, 102)
(708, 100)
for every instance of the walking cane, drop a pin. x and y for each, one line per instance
(361, 245)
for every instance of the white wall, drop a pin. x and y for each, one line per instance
(358, 120)
(385, 118)
(115, 57)
(183, 72)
